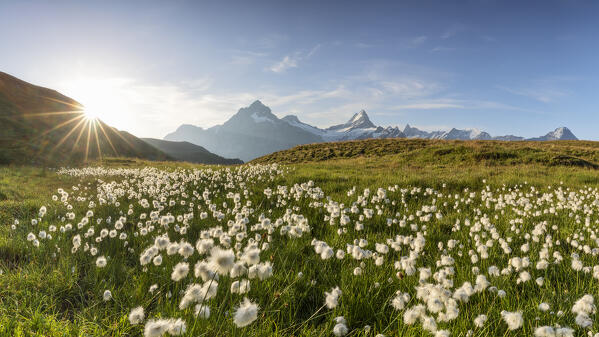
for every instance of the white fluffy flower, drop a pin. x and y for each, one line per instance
(221, 261)
(107, 296)
(246, 313)
(101, 262)
(136, 316)
(512, 319)
(180, 271)
(332, 297)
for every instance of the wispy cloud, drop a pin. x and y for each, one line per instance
(287, 62)
(540, 92)
(419, 40)
(427, 106)
(246, 57)
(442, 49)
(292, 61)
(453, 30)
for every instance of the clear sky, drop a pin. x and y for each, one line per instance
(507, 67)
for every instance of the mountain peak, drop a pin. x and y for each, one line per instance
(562, 133)
(291, 118)
(360, 120)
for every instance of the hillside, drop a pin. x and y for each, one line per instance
(185, 151)
(447, 152)
(42, 126)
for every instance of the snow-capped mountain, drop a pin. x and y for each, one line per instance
(358, 127)
(562, 133)
(255, 131)
(252, 132)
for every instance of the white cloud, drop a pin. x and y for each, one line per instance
(419, 40)
(291, 61)
(541, 94)
(286, 63)
(427, 106)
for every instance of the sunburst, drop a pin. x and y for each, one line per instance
(84, 124)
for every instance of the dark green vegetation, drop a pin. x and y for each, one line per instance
(423, 152)
(185, 151)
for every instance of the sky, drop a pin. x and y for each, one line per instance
(506, 67)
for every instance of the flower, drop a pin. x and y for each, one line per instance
(101, 262)
(107, 296)
(180, 271)
(246, 313)
(221, 260)
(512, 319)
(332, 298)
(136, 316)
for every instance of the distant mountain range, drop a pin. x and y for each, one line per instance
(185, 151)
(41, 126)
(255, 131)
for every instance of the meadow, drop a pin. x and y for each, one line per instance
(433, 243)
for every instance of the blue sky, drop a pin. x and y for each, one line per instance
(507, 67)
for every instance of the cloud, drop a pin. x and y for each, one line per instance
(419, 40)
(453, 30)
(442, 49)
(286, 63)
(409, 88)
(542, 94)
(245, 57)
(292, 61)
(427, 106)
(313, 51)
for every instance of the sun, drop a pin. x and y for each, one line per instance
(102, 98)
(91, 114)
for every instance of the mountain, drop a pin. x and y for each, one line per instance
(255, 131)
(42, 126)
(562, 133)
(252, 132)
(185, 151)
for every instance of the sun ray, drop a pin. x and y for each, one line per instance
(97, 140)
(108, 139)
(78, 106)
(51, 113)
(79, 136)
(60, 125)
(89, 129)
(62, 140)
(121, 136)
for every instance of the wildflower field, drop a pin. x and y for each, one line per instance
(349, 247)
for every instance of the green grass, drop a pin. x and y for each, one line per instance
(42, 294)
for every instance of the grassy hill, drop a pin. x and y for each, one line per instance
(42, 126)
(185, 151)
(441, 152)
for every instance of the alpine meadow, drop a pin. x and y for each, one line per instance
(184, 169)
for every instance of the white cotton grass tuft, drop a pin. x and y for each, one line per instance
(512, 319)
(332, 298)
(583, 308)
(101, 262)
(136, 316)
(180, 271)
(221, 260)
(340, 328)
(400, 300)
(158, 327)
(107, 296)
(240, 287)
(544, 307)
(480, 320)
(202, 311)
(246, 313)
